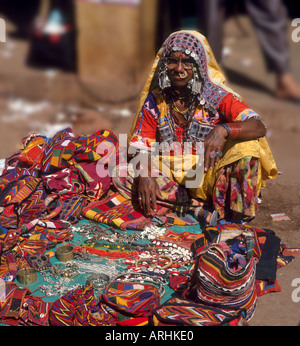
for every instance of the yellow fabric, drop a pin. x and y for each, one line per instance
(175, 167)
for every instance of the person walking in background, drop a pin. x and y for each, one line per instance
(269, 18)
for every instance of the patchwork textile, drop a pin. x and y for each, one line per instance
(78, 308)
(131, 299)
(120, 212)
(65, 149)
(67, 182)
(18, 305)
(50, 179)
(36, 312)
(81, 158)
(72, 207)
(21, 201)
(183, 312)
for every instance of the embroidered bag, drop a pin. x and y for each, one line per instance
(183, 312)
(71, 208)
(19, 306)
(78, 308)
(132, 299)
(224, 273)
(21, 201)
(268, 252)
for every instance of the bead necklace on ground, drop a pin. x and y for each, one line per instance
(148, 250)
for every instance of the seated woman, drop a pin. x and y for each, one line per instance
(207, 128)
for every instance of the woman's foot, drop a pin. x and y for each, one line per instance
(287, 88)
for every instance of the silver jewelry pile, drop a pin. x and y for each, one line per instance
(62, 276)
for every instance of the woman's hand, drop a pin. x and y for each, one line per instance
(148, 191)
(213, 146)
(249, 129)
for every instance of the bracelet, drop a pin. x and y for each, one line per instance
(143, 278)
(27, 276)
(225, 126)
(233, 130)
(98, 281)
(65, 253)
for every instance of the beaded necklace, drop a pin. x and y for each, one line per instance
(184, 112)
(175, 124)
(177, 95)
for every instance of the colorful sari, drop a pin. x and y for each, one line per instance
(244, 166)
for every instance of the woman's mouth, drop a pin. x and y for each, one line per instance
(180, 76)
(183, 75)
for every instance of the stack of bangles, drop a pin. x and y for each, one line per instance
(233, 130)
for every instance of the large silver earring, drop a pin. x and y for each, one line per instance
(163, 79)
(195, 84)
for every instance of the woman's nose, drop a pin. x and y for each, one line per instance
(179, 66)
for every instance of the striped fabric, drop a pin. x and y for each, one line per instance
(131, 299)
(79, 308)
(182, 312)
(22, 201)
(221, 287)
(224, 273)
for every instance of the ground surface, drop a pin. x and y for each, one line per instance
(46, 100)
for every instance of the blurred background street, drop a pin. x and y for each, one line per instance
(83, 63)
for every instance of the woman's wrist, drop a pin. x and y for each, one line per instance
(231, 130)
(224, 130)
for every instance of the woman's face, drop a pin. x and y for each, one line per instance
(180, 69)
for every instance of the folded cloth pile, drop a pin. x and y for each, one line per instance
(44, 187)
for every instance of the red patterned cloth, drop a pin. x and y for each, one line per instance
(78, 308)
(121, 212)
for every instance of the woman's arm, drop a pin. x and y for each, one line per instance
(246, 130)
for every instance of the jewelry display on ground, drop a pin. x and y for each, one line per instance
(60, 288)
(99, 281)
(142, 278)
(145, 257)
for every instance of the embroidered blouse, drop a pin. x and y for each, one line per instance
(155, 124)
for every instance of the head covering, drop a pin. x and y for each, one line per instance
(213, 88)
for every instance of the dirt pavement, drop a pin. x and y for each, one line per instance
(44, 101)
